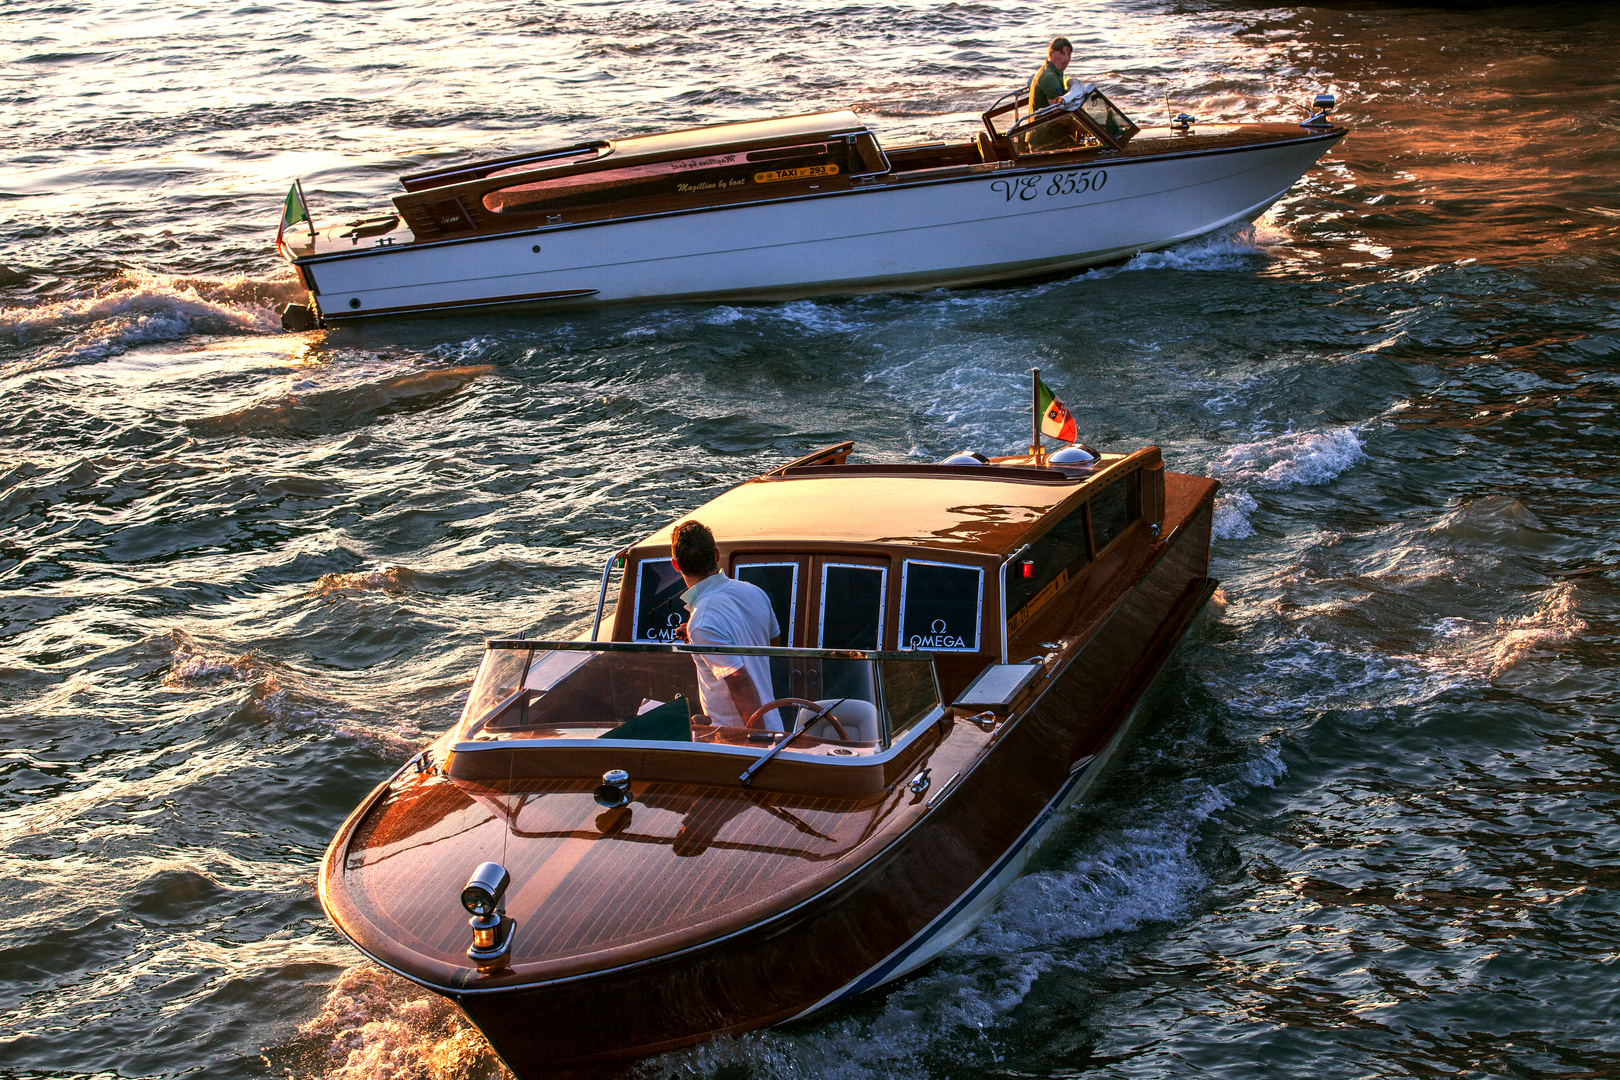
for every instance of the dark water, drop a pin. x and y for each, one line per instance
(1368, 824)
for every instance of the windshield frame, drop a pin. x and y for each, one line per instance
(467, 726)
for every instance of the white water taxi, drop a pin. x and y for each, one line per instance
(794, 207)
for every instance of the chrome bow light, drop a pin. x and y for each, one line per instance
(484, 897)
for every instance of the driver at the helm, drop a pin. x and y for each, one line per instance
(724, 612)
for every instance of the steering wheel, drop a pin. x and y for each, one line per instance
(823, 712)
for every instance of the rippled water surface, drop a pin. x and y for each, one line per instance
(1367, 825)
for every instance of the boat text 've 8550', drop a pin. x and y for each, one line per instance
(797, 206)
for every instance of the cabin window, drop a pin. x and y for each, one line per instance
(659, 608)
(1114, 508)
(1047, 566)
(851, 606)
(780, 582)
(711, 173)
(939, 606)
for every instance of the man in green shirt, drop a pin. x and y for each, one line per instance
(1049, 84)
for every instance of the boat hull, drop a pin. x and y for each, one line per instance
(993, 224)
(924, 891)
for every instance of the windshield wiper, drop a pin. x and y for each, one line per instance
(748, 773)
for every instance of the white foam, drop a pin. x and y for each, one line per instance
(1295, 459)
(138, 310)
(1144, 870)
(376, 1025)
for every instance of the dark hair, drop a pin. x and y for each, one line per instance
(1060, 44)
(692, 544)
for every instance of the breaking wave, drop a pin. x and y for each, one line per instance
(391, 580)
(1143, 871)
(1297, 459)
(376, 1026)
(140, 309)
(1491, 650)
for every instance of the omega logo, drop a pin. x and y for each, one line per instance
(938, 637)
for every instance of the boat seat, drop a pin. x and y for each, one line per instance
(987, 149)
(860, 720)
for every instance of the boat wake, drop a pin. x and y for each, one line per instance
(1234, 247)
(1492, 650)
(1295, 459)
(141, 309)
(374, 1024)
(962, 1008)
(330, 398)
(280, 696)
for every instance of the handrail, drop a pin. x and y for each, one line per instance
(728, 650)
(1004, 564)
(601, 598)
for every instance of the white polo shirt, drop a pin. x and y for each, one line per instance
(727, 612)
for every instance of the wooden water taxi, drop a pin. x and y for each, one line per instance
(794, 207)
(963, 646)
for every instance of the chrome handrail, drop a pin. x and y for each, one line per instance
(601, 597)
(1004, 564)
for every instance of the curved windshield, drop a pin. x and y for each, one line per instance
(847, 703)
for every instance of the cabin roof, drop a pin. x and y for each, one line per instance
(822, 124)
(983, 510)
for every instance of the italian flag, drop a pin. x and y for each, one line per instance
(293, 212)
(1057, 422)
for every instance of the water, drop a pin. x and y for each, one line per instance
(1367, 826)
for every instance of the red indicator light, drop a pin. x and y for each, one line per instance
(1029, 568)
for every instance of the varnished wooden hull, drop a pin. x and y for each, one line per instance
(923, 891)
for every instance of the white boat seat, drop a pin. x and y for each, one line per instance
(860, 720)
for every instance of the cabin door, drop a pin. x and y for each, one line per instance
(848, 604)
(785, 579)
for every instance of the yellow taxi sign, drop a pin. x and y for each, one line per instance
(795, 174)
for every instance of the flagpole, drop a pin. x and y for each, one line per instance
(1035, 413)
(308, 219)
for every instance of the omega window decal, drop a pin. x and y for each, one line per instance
(940, 606)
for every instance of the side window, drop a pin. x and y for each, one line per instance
(781, 583)
(1047, 565)
(659, 609)
(1114, 508)
(851, 606)
(939, 606)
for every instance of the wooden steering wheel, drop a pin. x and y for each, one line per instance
(823, 712)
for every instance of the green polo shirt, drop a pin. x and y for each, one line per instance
(1046, 87)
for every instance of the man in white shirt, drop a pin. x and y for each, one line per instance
(724, 612)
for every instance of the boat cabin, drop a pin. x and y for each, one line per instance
(900, 590)
(720, 163)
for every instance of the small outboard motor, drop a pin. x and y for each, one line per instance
(1323, 105)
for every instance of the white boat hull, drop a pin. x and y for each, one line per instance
(994, 225)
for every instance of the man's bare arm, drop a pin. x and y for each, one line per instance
(744, 694)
